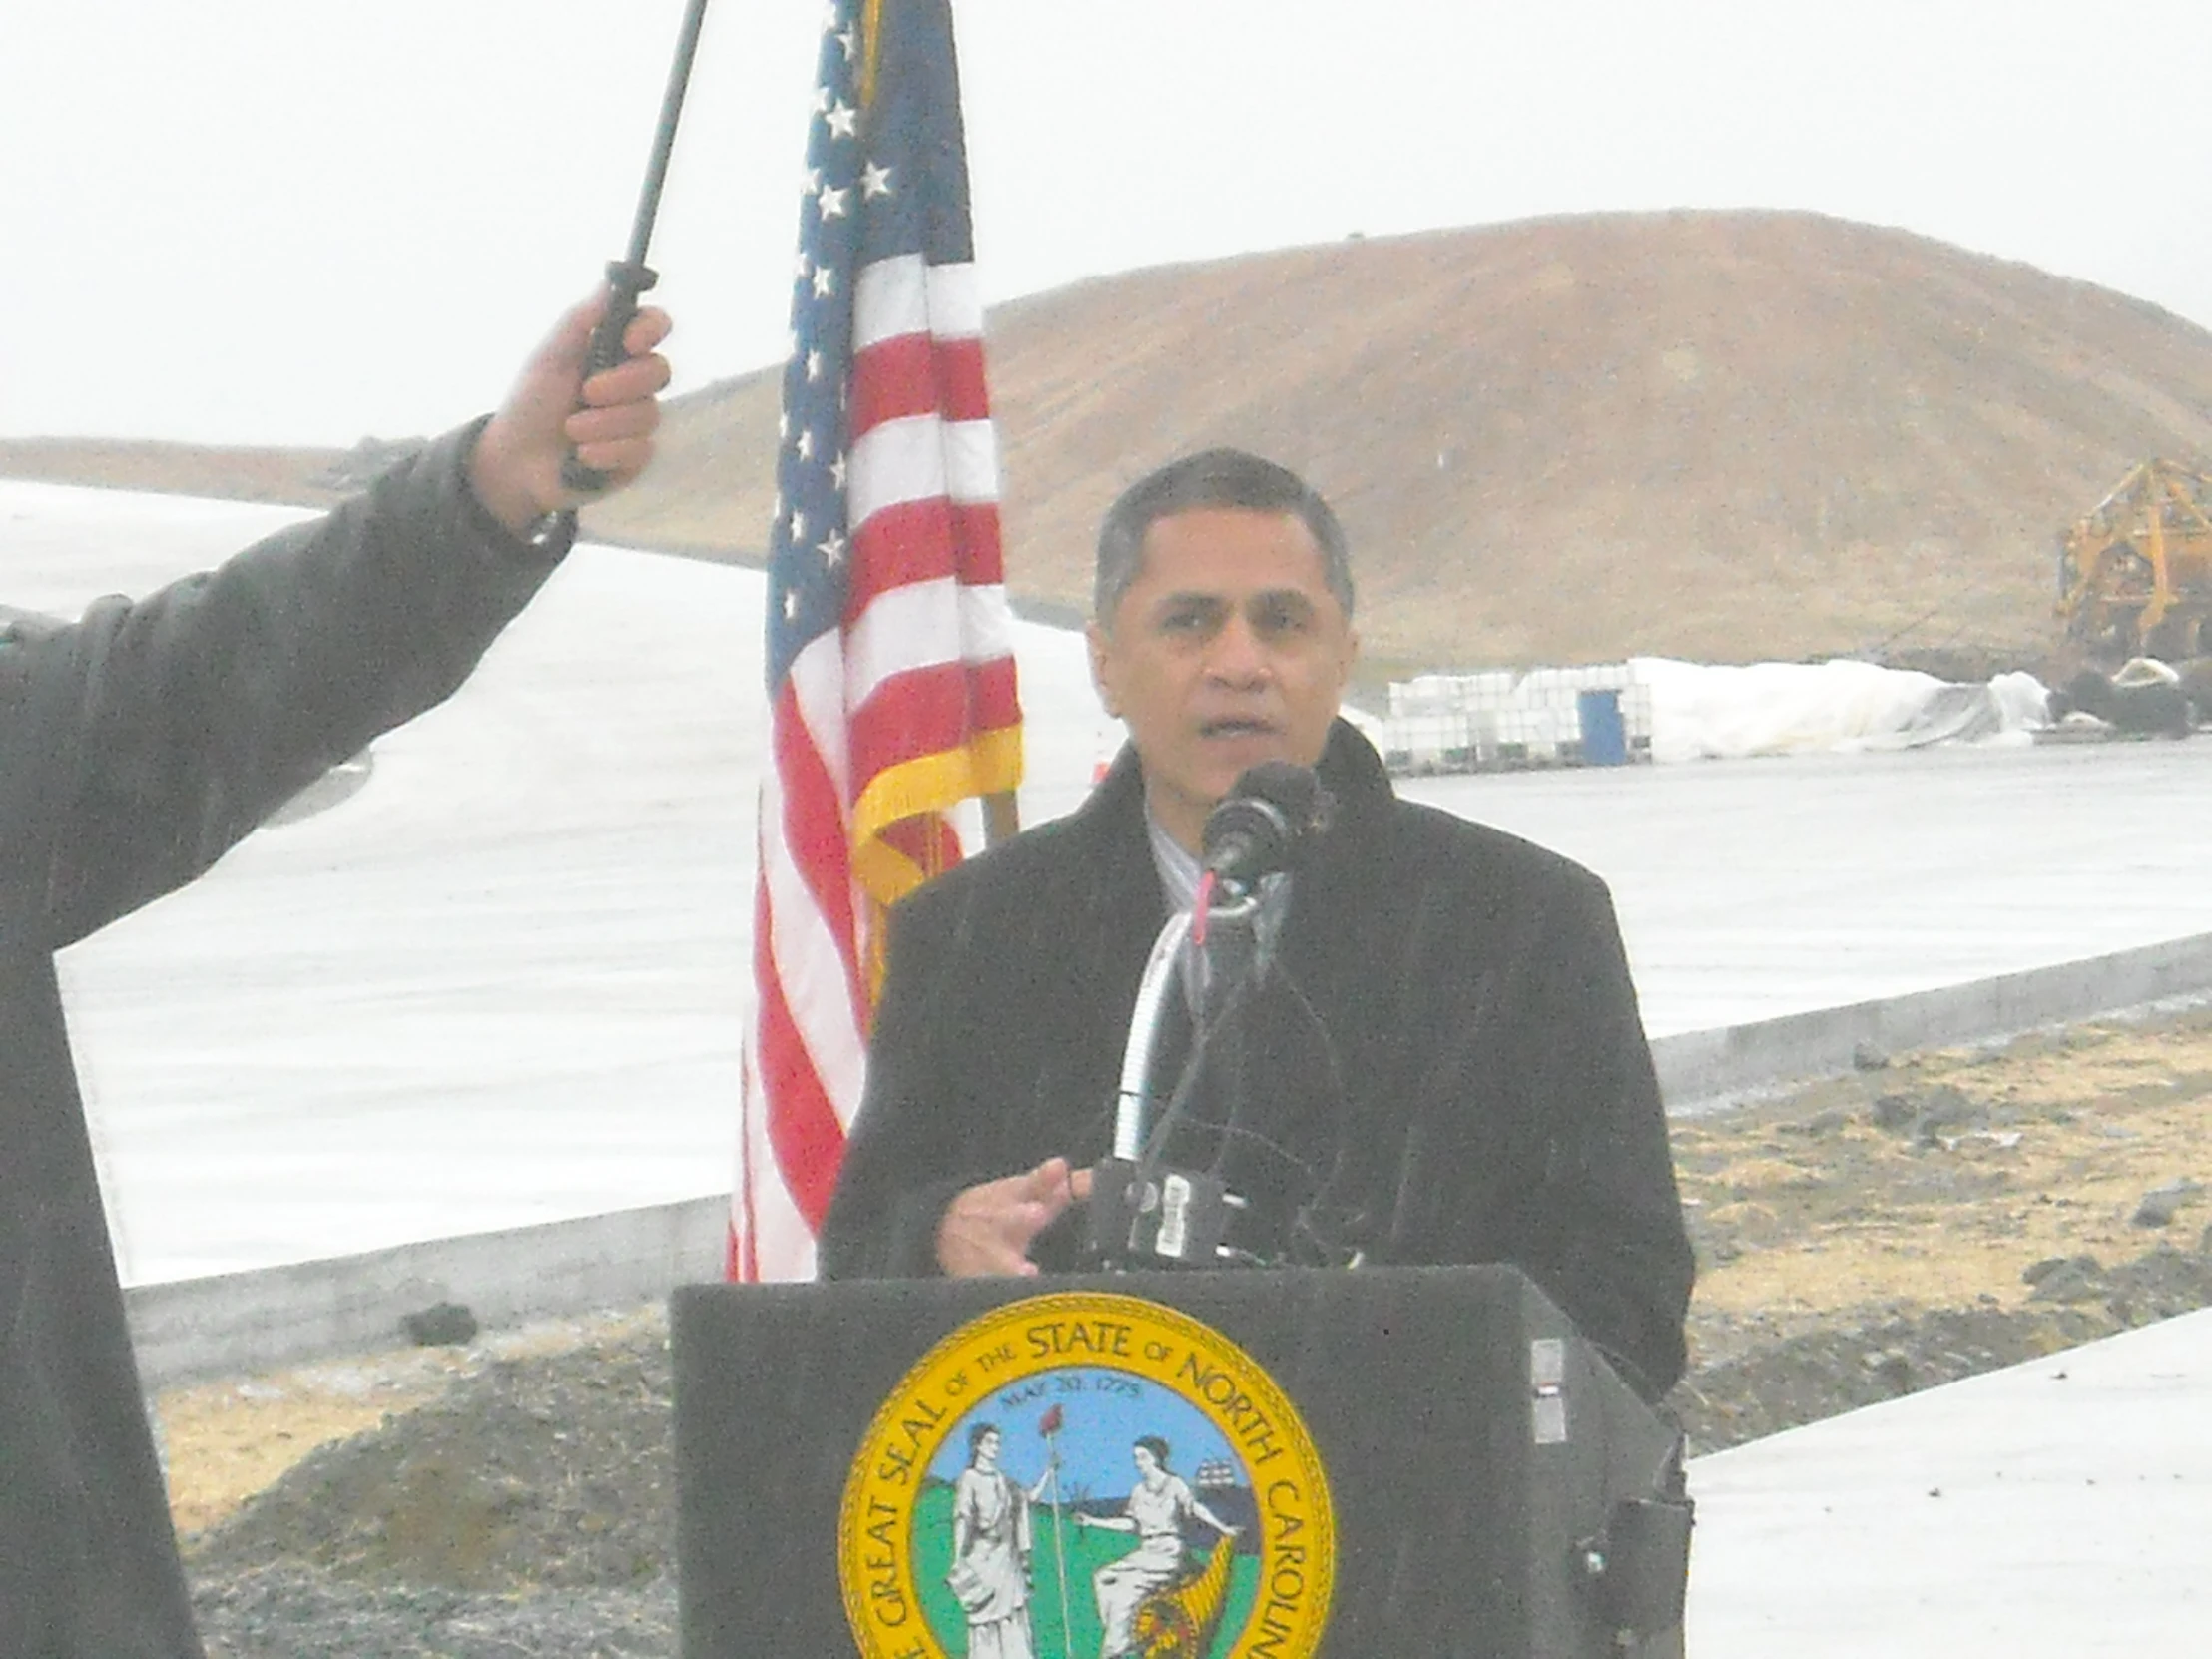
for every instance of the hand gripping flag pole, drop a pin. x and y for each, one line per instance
(629, 276)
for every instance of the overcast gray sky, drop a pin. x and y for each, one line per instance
(307, 220)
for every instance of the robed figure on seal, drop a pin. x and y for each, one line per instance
(990, 1552)
(1158, 1504)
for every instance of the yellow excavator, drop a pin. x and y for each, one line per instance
(2135, 574)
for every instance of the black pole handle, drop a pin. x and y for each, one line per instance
(626, 280)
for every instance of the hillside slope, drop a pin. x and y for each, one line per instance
(1719, 436)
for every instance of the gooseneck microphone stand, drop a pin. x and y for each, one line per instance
(1143, 1212)
(1132, 1103)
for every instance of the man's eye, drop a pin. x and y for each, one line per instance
(1184, 622)
(1281, 619)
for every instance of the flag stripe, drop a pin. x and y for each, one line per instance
(812, 917)
(917, 375)
(902, 294)
(769, 1237)
(920, 458)
(924, 625)
(944, 702)
(893, 547)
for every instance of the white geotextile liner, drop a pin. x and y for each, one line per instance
(1702, 712)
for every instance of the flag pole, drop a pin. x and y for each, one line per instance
(630, 276)
(1001, 818)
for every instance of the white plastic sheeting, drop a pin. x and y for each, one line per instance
(1701, 711)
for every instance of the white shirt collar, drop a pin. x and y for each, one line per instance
(1179, 870)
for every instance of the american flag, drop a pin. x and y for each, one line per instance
(890, 671)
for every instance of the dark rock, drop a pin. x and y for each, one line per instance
(441, 1325)
(1946, 1108)
(1819, 1123)
(1713, 1246)
(2163, 1202)
(2036, 1272)
(1865, 1057)
(2079, 1279)
(1894, 1111)
(1892, 1371)
(2157, 1209)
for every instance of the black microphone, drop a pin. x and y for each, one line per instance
(1260, 825)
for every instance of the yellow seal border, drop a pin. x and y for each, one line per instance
(1017, 1341)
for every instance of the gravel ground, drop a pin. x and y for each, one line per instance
(288, 1611)
(1767, 1386)
(530, 1511)
(1860, 1238)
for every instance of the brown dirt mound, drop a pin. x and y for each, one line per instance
(1764, 1386)
(1718, 435)
(1726, 437)
(551, 1472)
(299, 477)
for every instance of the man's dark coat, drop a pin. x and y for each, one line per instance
(136, 746)
(1449, 1066)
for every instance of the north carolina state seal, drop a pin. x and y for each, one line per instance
(1086, 1474)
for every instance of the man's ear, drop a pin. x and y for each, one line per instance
(1102, 667)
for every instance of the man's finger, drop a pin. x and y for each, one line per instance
(632, 380)
(647, 330)
(640, 419)
(622, 461)
(566, 346)
(1050, 1187)
(990, 1228)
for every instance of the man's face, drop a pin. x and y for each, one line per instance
(1226, 650)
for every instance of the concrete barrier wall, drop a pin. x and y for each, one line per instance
(350, 1304)
(272, 1317)
(1700, 1068)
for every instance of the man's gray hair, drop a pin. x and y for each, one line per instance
(1212, 478)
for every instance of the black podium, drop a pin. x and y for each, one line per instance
(1443, 1469)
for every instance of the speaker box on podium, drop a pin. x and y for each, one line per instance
(1394, 1462)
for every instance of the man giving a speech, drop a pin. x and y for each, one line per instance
(1441, 1061)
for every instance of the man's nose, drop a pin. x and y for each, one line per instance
(1237, 656)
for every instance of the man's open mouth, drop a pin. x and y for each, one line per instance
(1235, 728)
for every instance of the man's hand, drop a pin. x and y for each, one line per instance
(608, 419)
(988, 1229)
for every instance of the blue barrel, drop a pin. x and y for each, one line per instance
(1604, 735)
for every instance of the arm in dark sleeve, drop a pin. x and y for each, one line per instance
(192, 714)
(1602, 1229)
(905, 1158)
